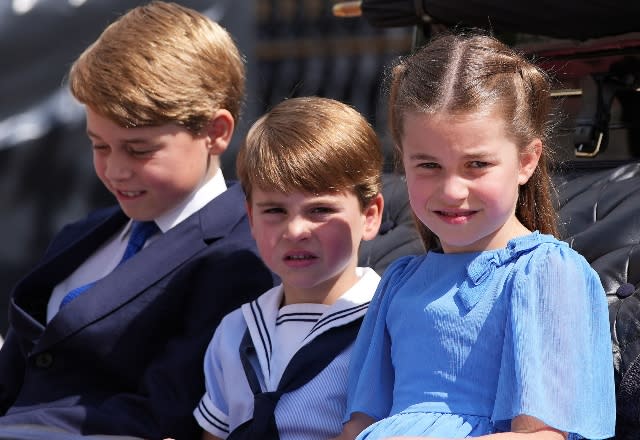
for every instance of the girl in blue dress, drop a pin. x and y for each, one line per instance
(499, 330)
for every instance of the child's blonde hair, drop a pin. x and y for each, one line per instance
(161, 63)
(460, 74)
(314, 145)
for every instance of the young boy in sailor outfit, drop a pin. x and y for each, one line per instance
(277, 367)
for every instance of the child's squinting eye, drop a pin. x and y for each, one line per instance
(273, 211)
(322, 210)
(140, 151)
(428, 165)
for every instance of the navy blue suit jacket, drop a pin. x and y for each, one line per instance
(126, 357)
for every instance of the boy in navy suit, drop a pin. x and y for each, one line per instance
(277, 367)
(105, 338)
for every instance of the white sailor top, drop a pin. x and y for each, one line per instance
(313, 411)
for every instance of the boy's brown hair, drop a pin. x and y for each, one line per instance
(314, 145)
(161, 63)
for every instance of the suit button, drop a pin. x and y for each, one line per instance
(44, 360)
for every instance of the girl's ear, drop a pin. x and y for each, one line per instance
(529, 158)
(373, 217)
(219, 131)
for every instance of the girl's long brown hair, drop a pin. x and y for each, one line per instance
(460, 74)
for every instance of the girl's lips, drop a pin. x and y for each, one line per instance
(455, 213)
(455, 217)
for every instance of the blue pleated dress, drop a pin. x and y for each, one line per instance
(456, 345)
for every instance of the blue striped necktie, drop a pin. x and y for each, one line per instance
(140, 232)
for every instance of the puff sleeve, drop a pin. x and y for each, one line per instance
(557, 359)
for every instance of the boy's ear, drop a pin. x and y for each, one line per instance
(219, 131)
(373, 217)
(247, 206)
(529, 158)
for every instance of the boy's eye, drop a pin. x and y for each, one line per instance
(322, 210)
(273, 210)
(99, 147)
(139, 151)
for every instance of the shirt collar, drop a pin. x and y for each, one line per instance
(199, 198)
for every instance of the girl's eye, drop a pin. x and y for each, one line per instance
(428, 165)
(478, 164)
(99, 147)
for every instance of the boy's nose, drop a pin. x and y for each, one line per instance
(117, 169)
(297, 228)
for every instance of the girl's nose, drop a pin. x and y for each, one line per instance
(454, 188)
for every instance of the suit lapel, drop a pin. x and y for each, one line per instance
(28, 304)
(147, 267)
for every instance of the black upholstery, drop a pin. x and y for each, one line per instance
(600, 213)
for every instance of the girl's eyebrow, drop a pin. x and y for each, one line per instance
(472, 155)
(421, 156)
(478, 155)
